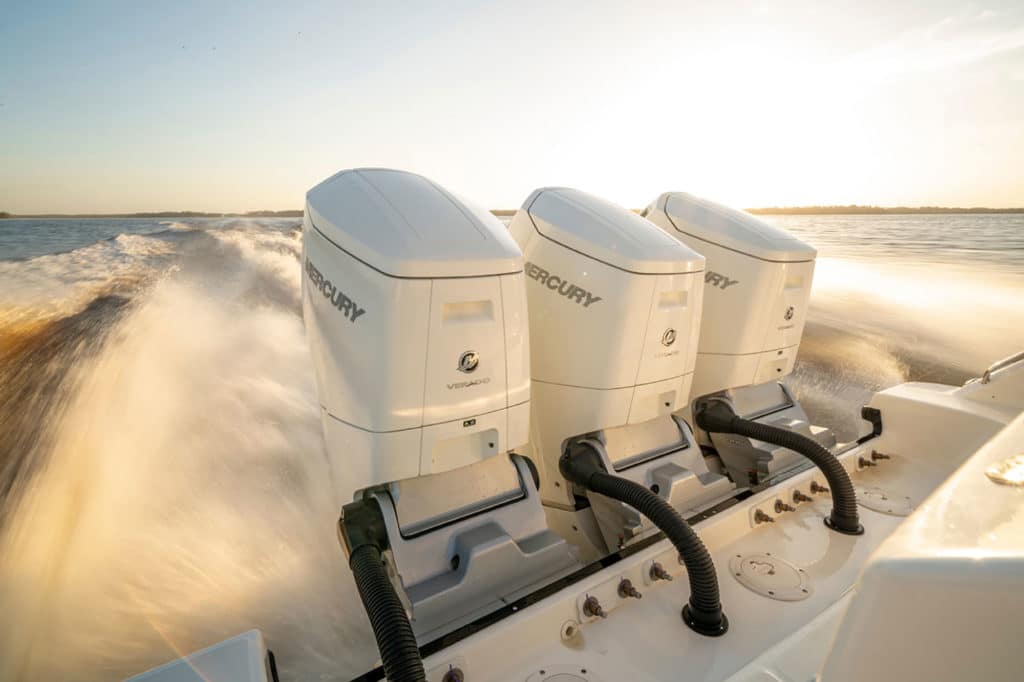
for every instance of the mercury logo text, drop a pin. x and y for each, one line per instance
(720, 281)
(346, 305)
(564, 287)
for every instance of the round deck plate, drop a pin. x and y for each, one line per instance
(770, 576)
(884, 501)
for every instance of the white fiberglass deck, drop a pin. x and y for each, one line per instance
(928, 431)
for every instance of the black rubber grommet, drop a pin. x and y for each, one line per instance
(702, 628)
(859, 530)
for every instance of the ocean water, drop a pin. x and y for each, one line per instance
(163, 483)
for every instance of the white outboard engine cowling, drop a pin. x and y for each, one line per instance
(615, 309)
(757, 288)
(416, 317)
(758, 283)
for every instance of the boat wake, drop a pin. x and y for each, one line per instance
(169, 486)
(873, 325)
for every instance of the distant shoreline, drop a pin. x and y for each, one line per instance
(157, 214)
(877, 210)
(772, 210)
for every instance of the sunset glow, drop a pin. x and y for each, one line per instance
(235, 108)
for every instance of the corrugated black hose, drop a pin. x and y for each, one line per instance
(582, 465)
(364, 537)
(717, 416)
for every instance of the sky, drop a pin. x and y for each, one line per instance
(223, 106)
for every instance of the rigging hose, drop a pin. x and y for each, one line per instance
(717, 416)
(581, 464)
(363, 535)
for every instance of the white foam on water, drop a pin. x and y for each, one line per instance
(175, 226)
(273, 254)
(60, 284)
(187, 497)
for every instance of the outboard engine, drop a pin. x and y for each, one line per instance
(615, 308)
(757, 286)
(416, 316)
(415, 309)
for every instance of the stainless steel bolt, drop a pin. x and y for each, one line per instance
(799, 497)
(626, 589)
(453, 675)
(658, 572)
(781, 506)
(592, 608)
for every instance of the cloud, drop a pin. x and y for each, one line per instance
(950, 43)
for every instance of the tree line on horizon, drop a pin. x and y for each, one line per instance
(855, 209)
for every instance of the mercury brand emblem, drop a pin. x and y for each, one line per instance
(669, 337)
(789, 313)
(468, 361)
